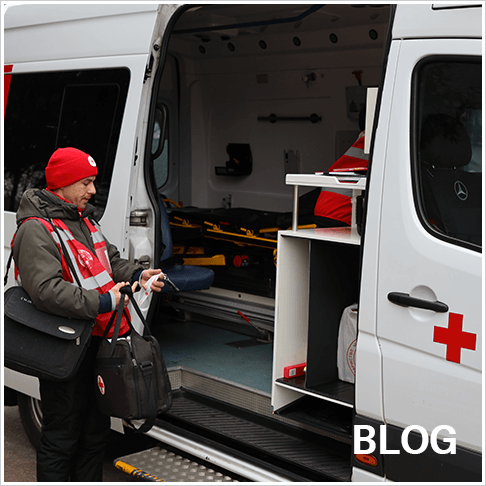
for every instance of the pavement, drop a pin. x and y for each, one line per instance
(19, 457)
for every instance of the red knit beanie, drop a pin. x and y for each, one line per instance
(67, 166)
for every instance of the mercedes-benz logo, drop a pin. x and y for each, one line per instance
(461, 190)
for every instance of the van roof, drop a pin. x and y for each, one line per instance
(434, 20)
(24, 15)
(32, 31)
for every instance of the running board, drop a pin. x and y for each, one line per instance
(160, 465)
(289, 454)
(230, 428)
(236, 423)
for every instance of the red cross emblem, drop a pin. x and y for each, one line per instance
(455, 338)
(101, 385)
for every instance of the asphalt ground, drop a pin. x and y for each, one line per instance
(19, 458)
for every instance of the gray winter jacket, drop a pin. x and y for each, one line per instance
(38, 259)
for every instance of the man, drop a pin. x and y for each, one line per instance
(74, 432)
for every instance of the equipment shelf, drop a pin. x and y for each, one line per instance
(356, 183)
(317, 278)
(344, 234)
(336, 391)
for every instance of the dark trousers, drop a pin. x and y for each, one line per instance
(74, 432)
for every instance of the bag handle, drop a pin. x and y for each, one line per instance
(116, 331)
(126, 290)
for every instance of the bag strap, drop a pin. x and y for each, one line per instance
(9, 262)
(128, 291)
(63, 246)
(116, 331)
(63, 252)
(10, 257)
(147, 368)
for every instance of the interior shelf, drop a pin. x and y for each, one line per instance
(317, 279)
(356, 183)
(337, 391)
(331, 182)
(321, 414)
(343, 234)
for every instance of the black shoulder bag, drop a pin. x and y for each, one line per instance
(40, 344)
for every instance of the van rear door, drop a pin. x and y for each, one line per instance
(429, 269)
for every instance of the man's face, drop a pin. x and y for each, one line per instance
(80, 192)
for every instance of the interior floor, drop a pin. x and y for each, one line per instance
(217, 352)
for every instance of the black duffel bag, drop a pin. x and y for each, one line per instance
(40, 344)
(131, 377)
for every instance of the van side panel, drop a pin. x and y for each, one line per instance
(85, 32)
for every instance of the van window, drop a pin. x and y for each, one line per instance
(448, 158)
(160, 146)
(45, 111)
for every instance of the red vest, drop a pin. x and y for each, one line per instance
(93, 270)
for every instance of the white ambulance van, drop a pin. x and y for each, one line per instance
(326, 348)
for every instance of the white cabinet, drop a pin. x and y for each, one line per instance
(317, 278)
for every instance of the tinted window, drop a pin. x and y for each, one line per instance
(160, 146)
(449, 148)
(45, 111)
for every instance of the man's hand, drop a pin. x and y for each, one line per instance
(116, 292)
(156, 284)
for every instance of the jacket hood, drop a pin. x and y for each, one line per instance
(32, 205)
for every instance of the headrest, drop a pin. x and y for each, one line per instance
(444, 142)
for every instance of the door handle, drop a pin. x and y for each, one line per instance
(405, 300)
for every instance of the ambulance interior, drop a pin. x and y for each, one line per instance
(248, 94)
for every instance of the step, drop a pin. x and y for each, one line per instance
(308, 455)
(161, 465)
